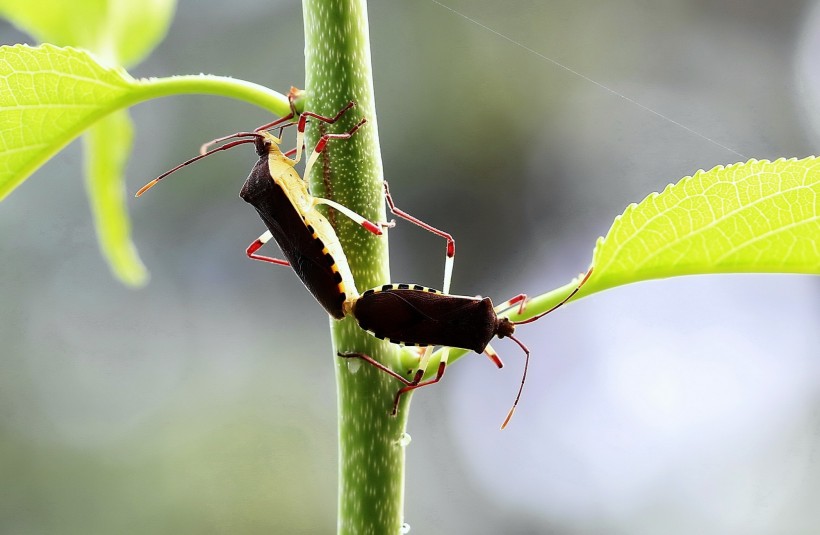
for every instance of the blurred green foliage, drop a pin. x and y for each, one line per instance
(120, 415)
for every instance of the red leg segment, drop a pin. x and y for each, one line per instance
(493, 356)
(567, 298)
(256, 245)
(367, 224)
(292, 96)
(373, 362)
(321, 144)
(410, 385)
(451, 243)
(300, 130)
(520, 300)
(416, 384)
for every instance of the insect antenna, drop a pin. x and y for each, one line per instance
(563, 302)
(294, 94)
(523, 379)
(197, 158)
(527, 351)
(277, 122)
(205, 147)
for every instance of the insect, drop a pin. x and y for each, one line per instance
(284, 203)
(287, 208)
(416, 315)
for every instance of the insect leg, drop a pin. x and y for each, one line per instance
(256, 245)
(562, 303)
(417, 383)
(373, 362)
(287, 119)
(292, 96)
(369, 225)
(493, 356)
(300, 131)
(520, 300)
(320, 146)
(451, 243)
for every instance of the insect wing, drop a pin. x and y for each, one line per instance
(421, 317)
(303, 250)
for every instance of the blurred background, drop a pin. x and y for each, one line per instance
(205, 402)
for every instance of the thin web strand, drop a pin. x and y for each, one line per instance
(590, 80)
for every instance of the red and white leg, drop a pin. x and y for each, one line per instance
(375, 228)
(451, 243)
(410, 384)
(258, 244)
(300, 131)
(321, 144)
(560, 304)
(493, 356)
(417, 382)
(520, 300)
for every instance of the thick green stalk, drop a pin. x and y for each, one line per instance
(371, 451)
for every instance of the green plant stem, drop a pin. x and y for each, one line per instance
(371, 454)
(199, 84)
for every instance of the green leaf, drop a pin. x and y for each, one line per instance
(49, 95)
(108, 145)
(106, 153)
(117, 31)
(754, 217)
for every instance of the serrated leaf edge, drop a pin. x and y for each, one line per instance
(670, 189)
(103, 65)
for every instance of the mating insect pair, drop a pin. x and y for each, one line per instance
(406, 314)
(415, 315)
(284, 203)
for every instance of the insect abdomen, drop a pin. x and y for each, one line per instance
(300, 243)
(415, 315)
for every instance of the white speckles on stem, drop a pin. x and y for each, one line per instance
(404, 440)
(354, 365)
(371, 492)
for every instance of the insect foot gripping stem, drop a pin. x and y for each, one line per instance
(410, 384)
